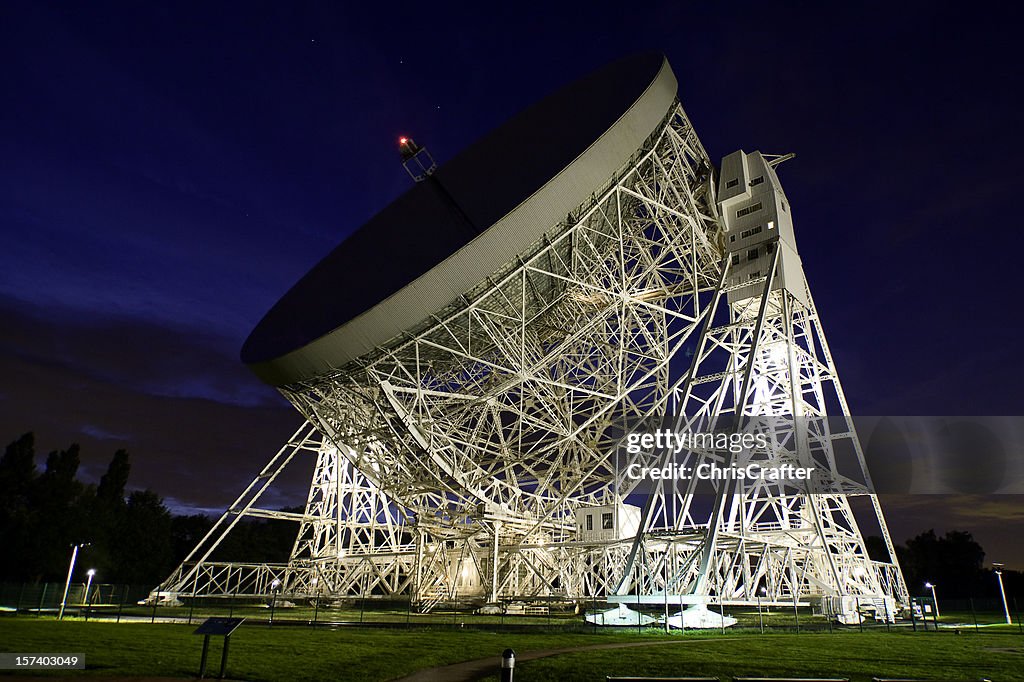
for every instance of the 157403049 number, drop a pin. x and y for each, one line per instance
(19, 661)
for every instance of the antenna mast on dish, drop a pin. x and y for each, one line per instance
(418, 162)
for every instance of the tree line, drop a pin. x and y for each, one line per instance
(134, 538)
(954, 562)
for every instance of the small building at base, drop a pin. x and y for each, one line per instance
(608, 522)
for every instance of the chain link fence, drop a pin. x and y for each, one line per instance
(108, 602)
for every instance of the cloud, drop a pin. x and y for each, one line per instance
(139, 354)
(197, 425)
(1002, 509)
(994, 520)
(100, 434)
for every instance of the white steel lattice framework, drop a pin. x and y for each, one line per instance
(452, 464)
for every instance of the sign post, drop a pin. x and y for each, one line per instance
(216, 626)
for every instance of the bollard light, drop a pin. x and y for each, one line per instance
(508, 664)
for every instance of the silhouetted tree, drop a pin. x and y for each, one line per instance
(141, 553)
(18, 516)
(104, 511)
(60, 519)
(954, 561)
(259, 540)
(132, 540)
(43, 514)
(18, 466)
(876, 548)
(112, 484)
(186, 532)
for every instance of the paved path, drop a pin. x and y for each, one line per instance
(469, 671)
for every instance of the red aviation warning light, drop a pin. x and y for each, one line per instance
(416, 159)
(408, 147)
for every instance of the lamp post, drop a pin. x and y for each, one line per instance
(67, 583)
(760, 617)
(88, 583)
(275, 587)
(88, 589)
(999, 574)
(935, 601)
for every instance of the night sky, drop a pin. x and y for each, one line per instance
(168, 171)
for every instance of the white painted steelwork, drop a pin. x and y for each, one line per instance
(455, 461)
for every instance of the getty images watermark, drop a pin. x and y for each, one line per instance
(664, 445)
(832, 454)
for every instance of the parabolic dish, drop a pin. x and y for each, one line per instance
(421, 253)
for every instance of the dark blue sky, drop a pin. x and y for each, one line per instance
(169, 170)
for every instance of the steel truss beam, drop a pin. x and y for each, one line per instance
(454, 460)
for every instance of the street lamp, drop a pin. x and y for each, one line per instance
(760, 617)
(88, 590)
(67, 583)
(999, 574)
(88, 583)
(275, 587)
(935, 601)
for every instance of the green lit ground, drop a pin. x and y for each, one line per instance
(352, 653)
(857, 656)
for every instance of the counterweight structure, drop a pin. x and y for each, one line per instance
(476, 455)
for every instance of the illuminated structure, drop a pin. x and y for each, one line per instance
(464, 398)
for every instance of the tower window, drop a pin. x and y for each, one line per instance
(735, 259)
(732, 237)
(752, 254)
(590, 522)
(749, 209)
(606, 521)
(757, 181)
(732, 183)
(755, 274)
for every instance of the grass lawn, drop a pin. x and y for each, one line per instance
(279, 653)
(858, 656)
(301, 653)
